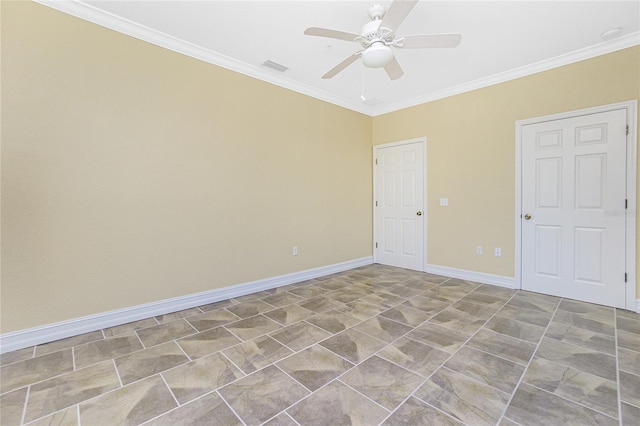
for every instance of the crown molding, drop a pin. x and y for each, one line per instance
(100, 17)
(629, 40)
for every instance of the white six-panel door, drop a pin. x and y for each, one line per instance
(573, 190)
(399, 198)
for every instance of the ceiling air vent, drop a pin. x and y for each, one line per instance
(274, 66)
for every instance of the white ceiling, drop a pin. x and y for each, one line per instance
(501, 40)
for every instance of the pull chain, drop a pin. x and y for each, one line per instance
(363, 98)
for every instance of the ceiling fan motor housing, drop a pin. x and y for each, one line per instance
(372, 32)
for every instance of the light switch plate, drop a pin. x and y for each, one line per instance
(444, 201)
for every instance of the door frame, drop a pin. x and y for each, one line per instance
(425, 216)
(631, 213)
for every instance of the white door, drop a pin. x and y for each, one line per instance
(573, 189)
(399, 199)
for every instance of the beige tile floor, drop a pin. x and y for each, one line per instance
(374, 345)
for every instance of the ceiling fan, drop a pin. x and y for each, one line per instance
(378, 37)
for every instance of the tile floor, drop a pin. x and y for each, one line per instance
(374, 345)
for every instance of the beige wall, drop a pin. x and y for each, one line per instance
(131, 173)
(471, 152)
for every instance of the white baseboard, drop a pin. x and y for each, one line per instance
(480, 277)
(50, 332)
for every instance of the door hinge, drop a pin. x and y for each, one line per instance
(376, 204)
(626, 203)
(627, 129)
(376, 245)
(625, 277)
(376, 161)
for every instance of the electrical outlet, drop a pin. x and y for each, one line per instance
(479, 250)
(498, 252)
(295, 250)
(444, 202)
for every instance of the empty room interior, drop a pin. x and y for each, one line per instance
(203, 222)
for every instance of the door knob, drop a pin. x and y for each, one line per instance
(419, 213)
(527, 216)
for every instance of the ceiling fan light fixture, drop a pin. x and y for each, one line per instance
(377, 55)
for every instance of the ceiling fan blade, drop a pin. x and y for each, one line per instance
(430, 40)
(326, 32)
(393, 69)
(397, 13)
(342, 65)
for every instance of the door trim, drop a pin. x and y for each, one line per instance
(376, 148)
(631, 108)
